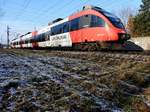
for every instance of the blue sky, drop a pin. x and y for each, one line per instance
(26, 15)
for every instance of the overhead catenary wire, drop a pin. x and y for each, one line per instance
(25, 5)
(51, 7)
(24, 9)
(30, 11)
(60, 9)
(53, 11)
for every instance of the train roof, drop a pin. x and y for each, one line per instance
(27, 36)
(54, 21)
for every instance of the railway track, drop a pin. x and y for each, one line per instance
(114, 53)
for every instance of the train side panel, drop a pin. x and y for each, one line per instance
(63, 40)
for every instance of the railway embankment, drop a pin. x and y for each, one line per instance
(64, 81)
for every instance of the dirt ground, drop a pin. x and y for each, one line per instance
(63, 81)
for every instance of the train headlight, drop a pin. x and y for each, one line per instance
(124, 36)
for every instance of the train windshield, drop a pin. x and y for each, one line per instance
(114, 19)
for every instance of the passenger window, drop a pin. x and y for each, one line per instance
(97, 22)
(85, 21)
(42, 37)
(57, 29)
(53, 32)
(65, 27)
(74, 24)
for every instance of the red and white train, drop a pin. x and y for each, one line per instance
(91, 25)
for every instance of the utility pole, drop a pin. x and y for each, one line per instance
(1, 42)
(1, 39)
(8, 36)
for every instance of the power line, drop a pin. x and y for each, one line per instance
(14, 4)
(50, 7)
(45, 10)
(53, 11)
(59, 9)
(25, 4)
(78, 5)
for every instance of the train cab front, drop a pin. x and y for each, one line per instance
(116, 28)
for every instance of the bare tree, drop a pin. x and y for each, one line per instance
(130, 24)
(125, 13)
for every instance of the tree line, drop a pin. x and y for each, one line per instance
(139, 25)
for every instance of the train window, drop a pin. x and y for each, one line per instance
(47, 36)
(49, 33)
(60, 29)
(54, 30)
(85, 21)
(39, 38)
(116, 22)
(42, 37)
(26, 41)
(65, 27)
(74, 24)
(29, 41)
(36, 38)
(97, 21)
(57, 29)
(32, 40)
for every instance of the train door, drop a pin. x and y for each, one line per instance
(75, 34)
(100, 29)
(84, 24)
(33, 41)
